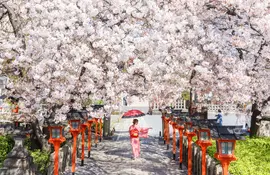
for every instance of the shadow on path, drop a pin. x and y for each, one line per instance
(114, 158)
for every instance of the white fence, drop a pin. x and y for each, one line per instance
(179, 104)
(223, 108)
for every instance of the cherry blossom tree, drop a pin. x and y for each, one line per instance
(54, 51)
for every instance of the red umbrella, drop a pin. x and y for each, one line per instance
(133, 113)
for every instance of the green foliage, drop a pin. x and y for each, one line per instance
(8, 101)
(27, 143)
(252, 156)
(186, 95)
(6, 145)
(41, 159)
(211, 150)
(194, 139)
(99, 102)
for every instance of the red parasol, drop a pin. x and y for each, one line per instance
(133, 113)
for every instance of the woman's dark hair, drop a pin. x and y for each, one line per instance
(135, 121)
(219, 110)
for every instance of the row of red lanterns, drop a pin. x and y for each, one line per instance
(76, 127)
(225, 148)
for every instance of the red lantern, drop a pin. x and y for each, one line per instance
(74, 130)
(180, 126)
(56, 138)
(189, 132)
(225, 153)
(204, 140)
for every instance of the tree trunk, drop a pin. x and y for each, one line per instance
(264, 127)
(255, 114)
(190, 103)
(40, 137)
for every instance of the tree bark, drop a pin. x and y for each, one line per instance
(255, 114)
(40, 136)
(190, 103)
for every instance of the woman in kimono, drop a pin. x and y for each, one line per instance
(135, 133)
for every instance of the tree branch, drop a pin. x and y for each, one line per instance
(193, 73)
(3, 15)
(240, 53)
(260, 50)
(11, 19)
(257, 31)
(232, 12)
(266, 101)
(140, 75)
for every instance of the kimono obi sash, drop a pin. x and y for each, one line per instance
(134, 133)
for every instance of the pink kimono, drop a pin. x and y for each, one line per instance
(135, 133)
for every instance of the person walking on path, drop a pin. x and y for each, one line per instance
(219, 118)
(135, 133)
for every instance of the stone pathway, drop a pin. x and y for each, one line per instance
(113, 157)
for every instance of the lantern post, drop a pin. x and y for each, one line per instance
(226, 137)
(189, 132)
(90, 122)
(204, 140)
(225, 153)
(56, 138)
(75, 131)
(167, 131)
(83, 127)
